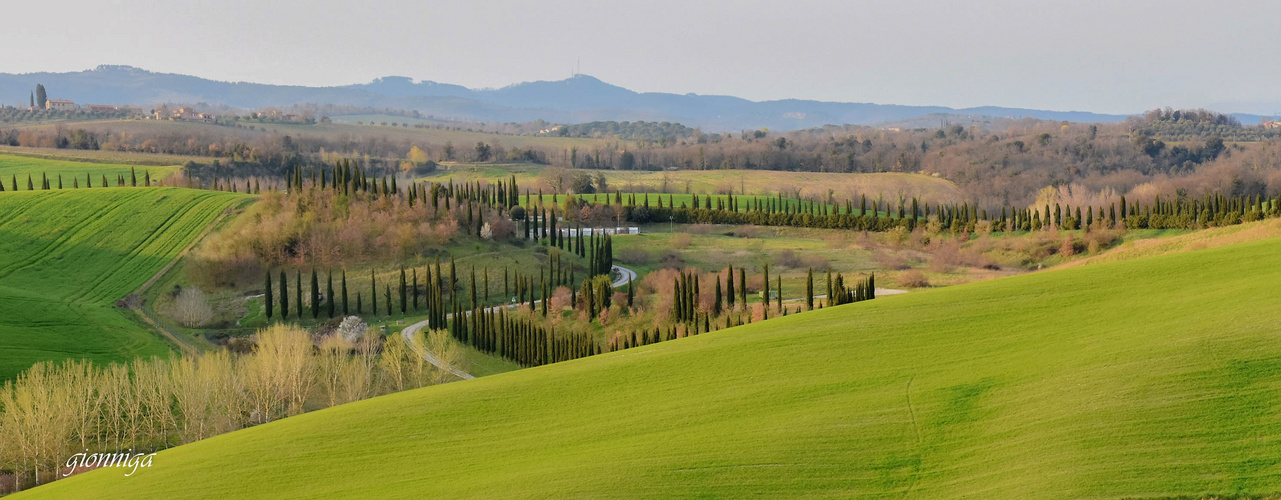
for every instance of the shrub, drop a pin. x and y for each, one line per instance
(787, 258)
(191, 308)
(635, 256)
(352, 329)
(913, 279)
(671, 259)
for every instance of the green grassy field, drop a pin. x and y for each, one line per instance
(69, 255)
(102, 156)
(1150, 377)
(19, 167)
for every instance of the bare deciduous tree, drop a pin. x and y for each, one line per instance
(191, 308)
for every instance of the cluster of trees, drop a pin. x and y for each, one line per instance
(661, 133)
(438, 294)
(46, 183)
(55, 410)
(516, 337)
(838, 293)
(56, 138)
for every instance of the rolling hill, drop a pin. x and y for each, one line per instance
(69, 255)
(1150, 377)
(578, 99)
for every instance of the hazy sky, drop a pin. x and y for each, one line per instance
(1108, 56)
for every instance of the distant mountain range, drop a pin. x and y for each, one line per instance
(578, 99)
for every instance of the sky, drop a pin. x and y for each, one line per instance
(1120, 56)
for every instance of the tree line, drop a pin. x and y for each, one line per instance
(47, 183)
(1180, 212)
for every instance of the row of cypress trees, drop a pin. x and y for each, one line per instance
(46, 183)
(1182, 212)
(437, 293)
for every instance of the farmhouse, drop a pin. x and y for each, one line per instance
(59, 105)
(101, 108)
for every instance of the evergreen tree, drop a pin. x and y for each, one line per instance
(404, 304)
(809, 288)
(729, 285)
(284, 295)
(373, 292)
(779, 286)
(345, 310)
(268, 296)
(765, 292)
(329, 292)
(388, 290)
(298, 291)
(315, 294)
(716, 305)
(742, 286)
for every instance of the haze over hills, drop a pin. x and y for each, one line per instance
(580, 98)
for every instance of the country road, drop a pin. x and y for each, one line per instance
(409, 333)
(624, 275)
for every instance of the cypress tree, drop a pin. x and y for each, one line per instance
(268, 296)
(373, 292)
(765, 294)
(360, 309)
(415, 278)
(315, 294)
(742, 286)
(388, 293)
(404, 304)
(284, 295)
(779, 278)
(345, 311)
(329, 292)
(473, 287)
(809, 289)
(298, 291)
(716, 305)
(729, 285)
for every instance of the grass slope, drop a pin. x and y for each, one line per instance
(1150, 377)
(70, 254)
(19, 167)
